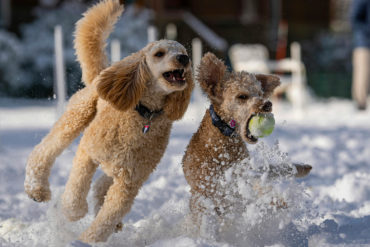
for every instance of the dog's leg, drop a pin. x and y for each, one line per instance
(117, 203)
(196, 209)
(100, 189)
(205, 215)
(80, 111)
(74, 204)
(302, 170)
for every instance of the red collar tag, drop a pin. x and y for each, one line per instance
(146, 128)
(232, 123)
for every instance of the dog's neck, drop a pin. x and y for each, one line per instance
(217, 142)
(154, 101)
(227, 129)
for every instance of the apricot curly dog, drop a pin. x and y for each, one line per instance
(220, 140)
(127, 109)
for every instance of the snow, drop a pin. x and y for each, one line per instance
(330, 207)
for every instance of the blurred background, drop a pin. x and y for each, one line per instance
(314, 38)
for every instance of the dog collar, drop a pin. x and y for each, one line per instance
(148, 115)
(226, 129)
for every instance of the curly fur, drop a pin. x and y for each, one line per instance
(201, 170)
(90, 37)
(124, 82)
(113, 135)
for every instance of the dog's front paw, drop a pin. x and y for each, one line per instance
(119, 227)
(74, 210)
(99, 231)
(302, 170)
(37, 190)
(92, 236)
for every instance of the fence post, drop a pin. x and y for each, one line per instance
(298, 78)
(196, 44)
(6, 12)
(115, 50)
(59, 69)
(171, 31)
(295, 51)
(152, 34)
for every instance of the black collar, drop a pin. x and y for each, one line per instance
(225, 129)
(146, 113)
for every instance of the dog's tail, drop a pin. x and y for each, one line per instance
(91, 34)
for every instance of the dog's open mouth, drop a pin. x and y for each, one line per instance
(249, 136)
(175, 76)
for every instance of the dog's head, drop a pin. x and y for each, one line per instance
(169, 64)
(236, 96)
(162, 66)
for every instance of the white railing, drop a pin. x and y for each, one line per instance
(152, 34)
(115, 50)
(205, 32)
(6, 12)
(197, 54)
(59, 71)
(171, 31)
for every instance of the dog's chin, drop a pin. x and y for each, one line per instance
(246, 135)
(170, 87)
(250, 139)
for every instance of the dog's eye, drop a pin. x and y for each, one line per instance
(243, 97)
(159, 54)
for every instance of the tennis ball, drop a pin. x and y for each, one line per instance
(261, 125)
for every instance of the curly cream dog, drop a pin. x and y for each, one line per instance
(220, 140)
(127, 109)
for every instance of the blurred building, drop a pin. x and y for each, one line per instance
(273, 23)
(321, 26)
(245, 21)
(256, 21)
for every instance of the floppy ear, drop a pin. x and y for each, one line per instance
(177, 102)
(211, 72)
(123, 83)
(269, 83)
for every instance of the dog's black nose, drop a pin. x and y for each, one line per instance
(267, 107)
(183, 59)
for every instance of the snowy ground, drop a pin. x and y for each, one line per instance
(330, 207)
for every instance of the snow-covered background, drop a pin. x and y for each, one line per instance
(30, 75)
(330, 207)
